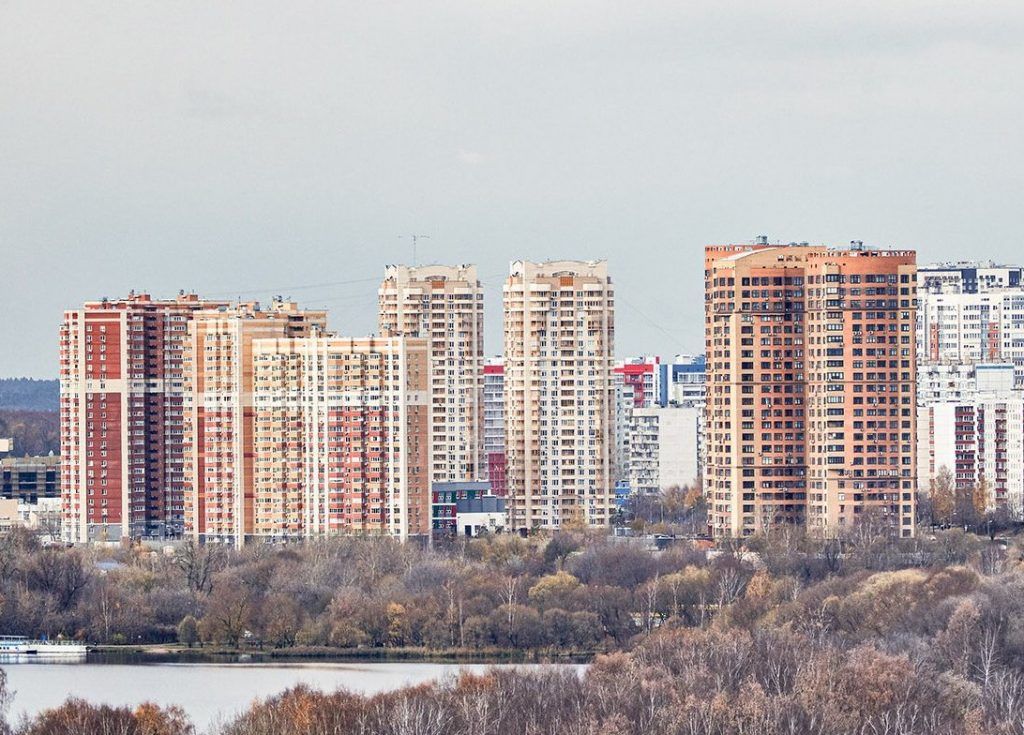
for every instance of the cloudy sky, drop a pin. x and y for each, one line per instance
(253, 148)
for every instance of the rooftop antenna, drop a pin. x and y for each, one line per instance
(415, 239)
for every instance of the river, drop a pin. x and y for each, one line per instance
(208, 692)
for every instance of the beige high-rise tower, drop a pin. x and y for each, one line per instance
(444, 305)
(219, 412)
(559, 395)
(341, 437)
(811, 385)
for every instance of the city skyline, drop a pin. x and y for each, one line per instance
(363, 293)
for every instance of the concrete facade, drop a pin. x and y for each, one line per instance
(559, 332)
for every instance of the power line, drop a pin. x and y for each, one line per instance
(304, 287)
(675, 336)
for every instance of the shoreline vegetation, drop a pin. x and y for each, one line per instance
(184, 654)
(866, 634)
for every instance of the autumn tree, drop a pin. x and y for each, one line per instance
(188, 631)
(942, 496)
(228, 613)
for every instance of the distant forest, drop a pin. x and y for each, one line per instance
(28, 414)
(34, 432)
(28, 394)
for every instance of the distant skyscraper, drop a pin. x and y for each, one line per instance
(494, 425)
(444, 305)
(559, 398)
(341, 432)
(811, 386)
(219, 446)
(121, 417)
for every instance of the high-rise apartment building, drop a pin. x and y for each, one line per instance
(559, 333)
(219, 426)
(444, 305)
(636, 382)
(811, 381)
(494, 425)
(122, 417)
(341, 429)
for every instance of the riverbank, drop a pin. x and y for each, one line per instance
(173, 653)
(210, 692)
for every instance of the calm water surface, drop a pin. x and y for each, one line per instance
(208, 692)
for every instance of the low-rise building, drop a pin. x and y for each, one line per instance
(27, 479)
(664, 448)
(478, 516)
(444, 500)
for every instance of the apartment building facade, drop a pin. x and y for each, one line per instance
(811, 382)
(637, 384)
(444, 305)
(341, 437)
(682, 381)
(981, 442)
(971, 422)
(967, 277)
(972, 327)
(664, 448)
(27, 479)
(559, 332)
(122, 417)
(494, 425)
(219, 426)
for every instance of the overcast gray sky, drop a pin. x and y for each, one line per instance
(252, 148)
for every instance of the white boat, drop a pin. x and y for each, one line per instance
(19, 648)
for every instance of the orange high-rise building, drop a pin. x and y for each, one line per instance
(219, 432)
(811, 385)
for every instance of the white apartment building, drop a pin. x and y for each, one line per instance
(973, 327)
(637, 383)
(444, 304)
(970, 313)
(980, 440)
(682, 381)
(967, 277)
(664, 448)
(971, 421)
(953, 381)
(559, 333)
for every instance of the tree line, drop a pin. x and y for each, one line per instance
(787, 634)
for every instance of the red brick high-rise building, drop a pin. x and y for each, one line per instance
(811, 386)
(121, 416)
